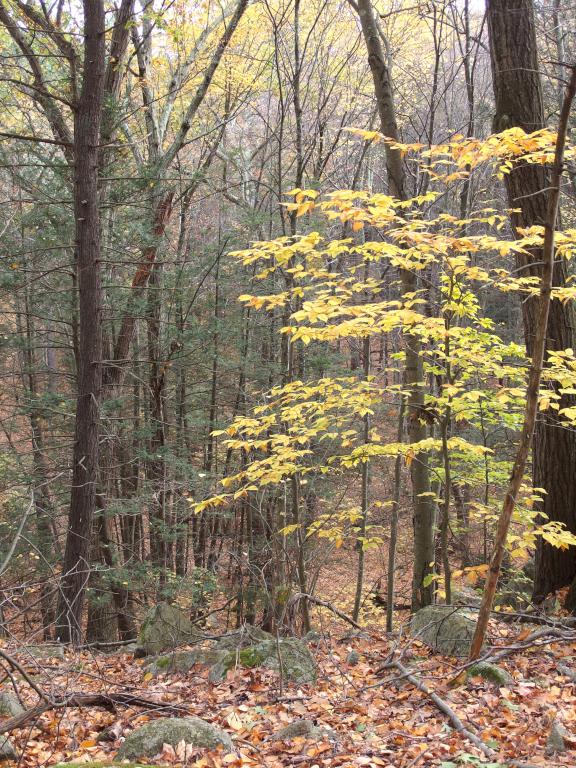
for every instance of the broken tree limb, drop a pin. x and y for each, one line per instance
(324, 604)
(457, 724)
(107, 700)
(553, 634)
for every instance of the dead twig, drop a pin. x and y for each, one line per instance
(20, 669)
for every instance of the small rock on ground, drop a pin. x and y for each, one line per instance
(555, 742)
(491, 672)
(306, 729)
(7, 751)
(10, 705)
(148, 740)
(353, 658)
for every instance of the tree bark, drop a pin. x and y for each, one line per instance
(424, 509)
(87, 120)
(519, 102)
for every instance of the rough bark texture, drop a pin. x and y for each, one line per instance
(87, 224)
(519, 102)
(424, 510)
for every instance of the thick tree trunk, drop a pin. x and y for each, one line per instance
(88, 113)
(519, 102)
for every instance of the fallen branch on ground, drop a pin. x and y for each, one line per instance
(526, 617)
(324, 604)
(107, 700)
(447, 710)
(552, 633)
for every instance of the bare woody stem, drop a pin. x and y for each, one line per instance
(534, 376)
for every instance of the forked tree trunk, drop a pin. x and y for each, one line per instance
(519, 102)
(87, 119)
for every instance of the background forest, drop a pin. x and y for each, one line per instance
(286, 340)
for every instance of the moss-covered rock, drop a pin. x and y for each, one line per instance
(292, 659)
(255, 648)
(516, 592)
(250, 648)
(165, 628)
(254, 656)
(444, 628)
(10, 705)
(227, 661)
(491, 672)
(245, 637)
(148, 740)
(183, 661)
(466, 596)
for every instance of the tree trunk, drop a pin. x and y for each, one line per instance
(87, 119)
(424, 510)
(519, 102)
(542, 311)
(160, 533)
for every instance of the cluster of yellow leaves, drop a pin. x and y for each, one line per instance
(278, 438)
(331, 295)
(463, 155)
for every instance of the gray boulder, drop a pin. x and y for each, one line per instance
(444, 628)
(292, 659)
(165, 627)
(148, 740)
(183, 661)
(491, 672)
(43, 651)
(245, 637)
(10, 705)
(516, 592)
(466, 596)
(7, 751)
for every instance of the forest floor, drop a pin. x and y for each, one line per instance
(380, 718)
